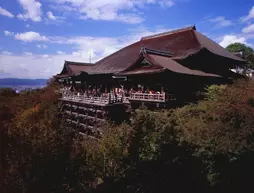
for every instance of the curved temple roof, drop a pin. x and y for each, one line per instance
(160, 63)
(177, 44)
(74, 68)
(180, 43)
(173, 66)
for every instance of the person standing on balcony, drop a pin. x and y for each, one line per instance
(115, 94)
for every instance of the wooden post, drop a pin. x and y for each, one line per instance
(106, 88)
(162, 89)
(109, 98)
(95, 118)
(78, 117)
(86, 117)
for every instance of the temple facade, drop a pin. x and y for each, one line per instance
(159, 71)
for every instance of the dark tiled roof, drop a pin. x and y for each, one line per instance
(144, 70)
(180, 43)
(238, 54)
(215, 48)
(75, 68)
(168, 33)
(61, 76)
(160, 63)
(117, 61)
(173, 66)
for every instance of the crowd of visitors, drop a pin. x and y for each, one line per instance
(147, 91)
(116, 94)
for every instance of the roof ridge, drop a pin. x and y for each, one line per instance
(155, 52)
(77, 63)
(169, 32)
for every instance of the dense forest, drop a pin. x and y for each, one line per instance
(203, 147)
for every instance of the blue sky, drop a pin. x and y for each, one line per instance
(37, 36)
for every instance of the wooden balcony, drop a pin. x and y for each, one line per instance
(159, 98)
(106, 99)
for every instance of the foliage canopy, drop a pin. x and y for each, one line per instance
(204, 147)
(248, 52)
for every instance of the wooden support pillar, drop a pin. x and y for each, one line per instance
(82, 84)
(106, 88)
(73, 82)
(78, 117)
(109, 98)
(95, 117)
(87, 118)
(162, 89)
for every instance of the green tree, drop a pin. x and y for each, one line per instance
(204, 147)
(39, 152)
(248, 52)
(221, 129)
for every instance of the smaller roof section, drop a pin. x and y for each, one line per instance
(174, 66)
(143, 70)
(215, 48)
(238, 54)
(75, 68)
(160, 62)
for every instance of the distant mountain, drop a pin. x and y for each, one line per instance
(21, 82)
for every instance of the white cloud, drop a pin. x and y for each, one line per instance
(35, 66)
(60, 52)
(110, 16)
(45, 66)
(6, 53)
(248, 29)
(28, 53)
(110, 10)
(166, 3)
(6, 13)
(32, 10)
(52, 19)
(51, 16)
(230, 39)
(8, 33)
(30, 37)
(221, 22)
(249, 16)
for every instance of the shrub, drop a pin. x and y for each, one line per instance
(221, 129)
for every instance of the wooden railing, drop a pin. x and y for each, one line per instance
(148, 97)
(111, 99)
(106, 99)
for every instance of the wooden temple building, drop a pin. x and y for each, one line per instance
(158, 71)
